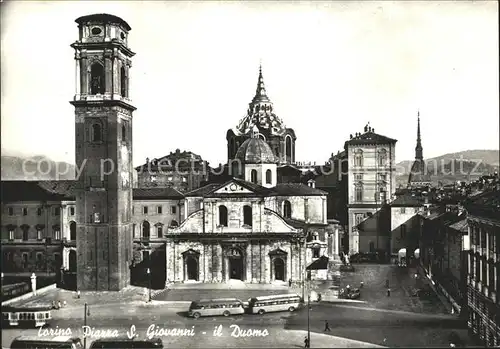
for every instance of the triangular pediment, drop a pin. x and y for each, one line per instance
(277, 252)
(233, 187)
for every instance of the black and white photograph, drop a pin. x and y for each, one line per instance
(250, 174)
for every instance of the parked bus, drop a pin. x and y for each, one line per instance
(26, 316)
(216, 307)
(125, 343)
(60, 342)
(280, 302)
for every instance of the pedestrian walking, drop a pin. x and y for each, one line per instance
(289, 282)
(361, 284)
(306, 342)
(327, 326)
(78, 294)
(388, 292)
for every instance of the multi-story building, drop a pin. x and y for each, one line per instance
(271, 128)
(183, 171)
(483, 282)
(370, 178)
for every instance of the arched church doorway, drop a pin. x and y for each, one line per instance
(279, 269)
(72, 261)
(235, 264)
(192, 268)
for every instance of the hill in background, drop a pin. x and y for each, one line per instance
(452, 167)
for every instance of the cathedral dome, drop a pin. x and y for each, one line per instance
(255, 151)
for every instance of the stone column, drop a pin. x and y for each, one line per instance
(267, 264)
(219, 261)
(84, 76)
(248, 262)
(261, 262)
(77, 75)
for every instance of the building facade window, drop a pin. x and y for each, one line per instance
(25, 233)
(287, 209)
(247, 215)
(11, 235)
(145, 230)
(39, 211)
(11, 211)
(57, 233)
(72, 231)
(25, 260)
(173, 209)
(159, 230)
(145, 256)
(402, 210)
(159, 210)
(316, 251)
(25, 211)
(358, 177)
(144, 210)
(71, 211)
(57, 211)
(39, 234)
(96, 133)
(97, 79)
(358, 193)
(222, 216)
(269, 177)
(382, 157)
(253, 176)
(358, 158)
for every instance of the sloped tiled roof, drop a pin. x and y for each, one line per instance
(199, 192)
(370, 137)
(296, 189)
(407, 200)
(37, 190)
(460, 226)
(156, 194)
(486, 204)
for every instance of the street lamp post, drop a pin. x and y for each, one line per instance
(148, 271)
(308, 328)
(86, 313)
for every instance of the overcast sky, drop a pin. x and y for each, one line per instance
(329, 68)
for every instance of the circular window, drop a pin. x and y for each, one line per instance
(96, 31)
(122, 35)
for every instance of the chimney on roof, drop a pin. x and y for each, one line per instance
(311, 183)
(350, 136)
(147, 160)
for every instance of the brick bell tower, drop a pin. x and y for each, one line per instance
(103, 141)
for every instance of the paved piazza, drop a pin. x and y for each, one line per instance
(397, 321)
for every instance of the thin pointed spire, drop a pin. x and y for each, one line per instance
(260, 93)
(418, 148)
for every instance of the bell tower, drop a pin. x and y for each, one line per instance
(103, 142)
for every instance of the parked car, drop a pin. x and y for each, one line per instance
(354, 293)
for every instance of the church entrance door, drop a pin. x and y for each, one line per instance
(279, 269)
(235, 264)
(192, 268)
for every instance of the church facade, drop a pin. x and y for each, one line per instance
(249, 228)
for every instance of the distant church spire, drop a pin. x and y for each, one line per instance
(418, 148)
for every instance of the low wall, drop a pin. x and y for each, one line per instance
(30, 294)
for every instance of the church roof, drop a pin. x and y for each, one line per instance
(260, 113)
(255, 151)
(282, 189)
